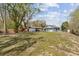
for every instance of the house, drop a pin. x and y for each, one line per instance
(35, 29)
(51, 28)
(48, 28)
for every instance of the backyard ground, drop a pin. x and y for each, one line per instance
(39, 44)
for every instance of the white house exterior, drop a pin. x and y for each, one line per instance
(48, 28)
(51, 28)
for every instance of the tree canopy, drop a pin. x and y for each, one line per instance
(74, 21)
(65, 26)
(19, 13)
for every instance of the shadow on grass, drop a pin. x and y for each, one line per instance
(14, 40)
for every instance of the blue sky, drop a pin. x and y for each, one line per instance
(55, 13)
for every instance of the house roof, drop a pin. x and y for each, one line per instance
(47, 26)
(36, 27)
(51, 26)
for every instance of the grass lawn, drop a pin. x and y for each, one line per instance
(40, 44)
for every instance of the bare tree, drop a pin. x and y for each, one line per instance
(3, 14)
(39, 23)
(74, 21)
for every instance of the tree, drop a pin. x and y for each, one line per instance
(65, 26)
(16, 14)
(74, 21)
(3, 13)
(30, 13)
(21, 14)
(39, 24)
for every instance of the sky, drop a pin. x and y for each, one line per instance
(55, 13)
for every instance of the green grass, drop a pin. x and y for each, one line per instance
(40, 43)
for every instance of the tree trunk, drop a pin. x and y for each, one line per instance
(27, 25)
(16, 27)
(5, 25)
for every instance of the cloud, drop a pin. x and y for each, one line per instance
(45, 6)
(43, 9)
(71, 10)
(50, 15)
(52, 5)
(65, 11)
(54, 14)
(53, 17)
(74, 4)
